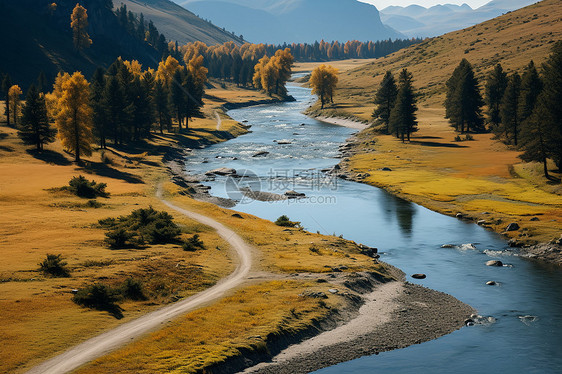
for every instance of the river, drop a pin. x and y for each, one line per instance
(526, 302)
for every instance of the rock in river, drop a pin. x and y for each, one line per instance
(419, 276)
(262, 153)
(221, 171)
(494, 263)
(294, 194)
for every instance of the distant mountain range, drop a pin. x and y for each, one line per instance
(417, 21)
(279, 21)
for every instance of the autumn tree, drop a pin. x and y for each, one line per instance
(34, 128)
(166, 70)
(14, 101)
(496, 83)
(74, 117)
(79, 25)
(6, 85)
(463, 103)
(402, 121)
(509, 110)
(385, 99)
(323, 81)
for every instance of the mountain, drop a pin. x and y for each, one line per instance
(37, 38)
(277, 22)
(179, 24)
(417, 21)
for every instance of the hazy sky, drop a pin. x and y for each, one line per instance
(381, 4)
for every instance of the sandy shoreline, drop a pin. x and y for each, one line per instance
(352, 124)
(396, 315)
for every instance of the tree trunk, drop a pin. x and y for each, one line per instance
(544, 162)
(76, 136)
(7, 110)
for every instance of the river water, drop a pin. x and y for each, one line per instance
(526, 302)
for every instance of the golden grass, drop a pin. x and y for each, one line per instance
(213, 334)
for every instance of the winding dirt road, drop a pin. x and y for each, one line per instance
(118, 337)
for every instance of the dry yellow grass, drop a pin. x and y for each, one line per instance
(472, 177)
(39, 319)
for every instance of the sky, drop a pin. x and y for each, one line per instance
(381, 4)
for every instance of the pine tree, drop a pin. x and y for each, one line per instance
(79, 24)
(6, 84)
(402, 120)
(99, 110)
(177, 96)
(385, 100)
(74, 117)
(114, 103)
(496, 84)
(35, 129)
(531, 87)
(509, 110)
(534, 140)
(42, 82)
(162, 106)
(463, 105)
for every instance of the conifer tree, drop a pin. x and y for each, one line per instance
(96, 101)
(74, 117)
(35, 129)
(79, 24)
(463, 105)
(531, 87)
(6, 84)
(402, 120)
(177, 96)
(534, 140)
(496, 83)
(114, 103)
(385, 100)
(509, 110)
(41, 82)
(162, 106)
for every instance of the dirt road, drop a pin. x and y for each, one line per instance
(115, 338)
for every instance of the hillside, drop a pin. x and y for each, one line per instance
(179, 24)
(295, 20)
(483, 179)
(37, 39)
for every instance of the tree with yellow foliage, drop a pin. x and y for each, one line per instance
(74, 118)
(323, 81)
(167, 69)
(79, 24)
(53, 98)
(258, 71)
(14, 102)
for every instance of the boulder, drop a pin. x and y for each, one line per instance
(448, 246)
(419, 276)
(459, 215)
(333, 290)
(294, 194)
(491, 283)
(514, 243)
(482, 222)
(236, 215)
(262, 153)
(221, 171)
(494, 263)
(386, 169)
(534, 219)
(512, 227)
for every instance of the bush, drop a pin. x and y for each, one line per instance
(194, 243)
(141, 226)
(99, 297)
(54, 266)
(458, 138)
(468, 137)
(82, 187)
(132, 289)
(284, 221)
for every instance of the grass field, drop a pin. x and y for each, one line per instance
(39, 319)
(483, 178)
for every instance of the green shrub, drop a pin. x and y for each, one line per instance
(119, 238)
(132, 289)
(99, 297)
(468, 137)
(192, 244)
(54, 266)
(82, 187)
(284, 221)
(458, 138)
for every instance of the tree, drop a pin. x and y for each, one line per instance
(74, 118)
(177, 96)
(41, 82)
(323, 81)
(96, 101)
(531, 87)
(534, 140)
(463, 104)
(385, 100)
(35, 127)
(496, 83)
(509, 109)
(114, 103)
(79, 25)
(6, 84)
(162, 106)
(402, 119)
(14, 102)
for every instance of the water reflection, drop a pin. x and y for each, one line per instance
(403, 210)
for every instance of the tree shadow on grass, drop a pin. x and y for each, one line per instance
(3, 135)
(437, 144)
(104, 170)
(50, 157)
(6, 148)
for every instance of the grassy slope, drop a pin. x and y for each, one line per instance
(450, 177)
(39, 319)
